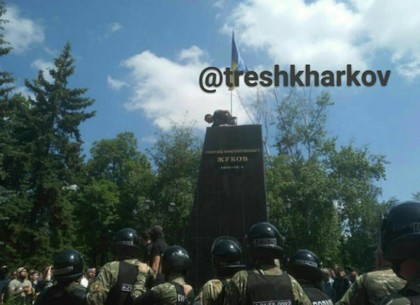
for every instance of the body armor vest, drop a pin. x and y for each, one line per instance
(181, 298)
(120, 293)
(58, 295)
(317, 297)
(269, 289)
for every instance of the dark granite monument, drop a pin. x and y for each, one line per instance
(230, 194)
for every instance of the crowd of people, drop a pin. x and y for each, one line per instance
(267, 278)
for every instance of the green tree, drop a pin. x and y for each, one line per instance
(13, 161)
(120, 161)
(352, 174)
(301, 130)
(301, 206)
(120, 178)
(52, 140)
(5, 80)
(176, 155)
(322, 196)
(97, 205)
(16, 141)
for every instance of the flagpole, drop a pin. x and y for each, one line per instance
(231, 103)
(232, 78)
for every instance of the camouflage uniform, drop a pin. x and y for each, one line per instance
(106, 279)
(163, 293)
(236, 289)
(139, 286)
(210, 293)
(371, 288)
(411, 288)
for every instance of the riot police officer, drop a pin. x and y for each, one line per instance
(68, 269)
(400, 241)
(371, 287)
(175, 264)
(114, 282)
(265, 283)
(305, 267)
(226, 256)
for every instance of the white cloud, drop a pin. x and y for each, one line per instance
(329, 34)
(168, 91)
(45, 66)
(115, 27)
(116, 84)
(148, 139)
(219, 4)
(293, 32)
(410, 70)
(24, 92)
(20, 32)
(193, 54)
(109, 30)
(394, 26)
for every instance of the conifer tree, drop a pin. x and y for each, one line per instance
(57, 163)
(6, 80)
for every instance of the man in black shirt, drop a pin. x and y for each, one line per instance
(158, 247)
(147, 243)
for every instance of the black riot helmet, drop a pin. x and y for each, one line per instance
(400, 232)
(264, 241)
(226, 255)
(305, 265)
(68, 266)
(175, 260)
(126, 244)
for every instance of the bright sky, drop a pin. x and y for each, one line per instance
(141, 61)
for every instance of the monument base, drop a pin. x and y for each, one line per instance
(230, 195)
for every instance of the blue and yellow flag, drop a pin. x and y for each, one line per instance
(237, 64)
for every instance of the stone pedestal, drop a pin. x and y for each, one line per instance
(230, 195)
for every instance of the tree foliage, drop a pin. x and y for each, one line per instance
(6, 80)
(119, 179)
(176, 155)
(44, 157)
(322, 196)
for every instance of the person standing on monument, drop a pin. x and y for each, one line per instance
(265, 283)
